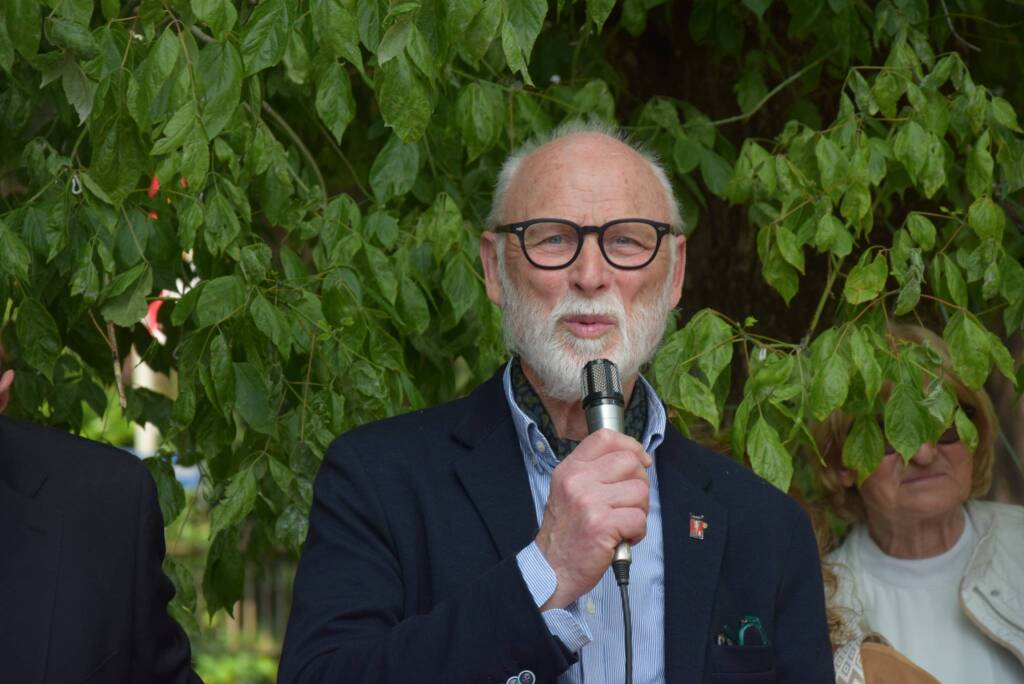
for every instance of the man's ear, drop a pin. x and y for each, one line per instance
(489, 259)
(679, 274)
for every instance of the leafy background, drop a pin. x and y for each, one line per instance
(322, 167)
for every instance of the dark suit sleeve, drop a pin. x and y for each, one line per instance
(160, 649)
(355, 619)
(803, 651)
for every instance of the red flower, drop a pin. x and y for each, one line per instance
(154, 187)
(184, 183)
(152, 215)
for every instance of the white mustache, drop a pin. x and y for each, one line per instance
(571, 305)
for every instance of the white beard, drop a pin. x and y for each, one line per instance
(557, 356)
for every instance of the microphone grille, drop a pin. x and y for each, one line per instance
(602, 377)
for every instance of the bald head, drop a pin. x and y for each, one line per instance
(581, 166)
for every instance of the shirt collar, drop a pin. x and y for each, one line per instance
(645, 419)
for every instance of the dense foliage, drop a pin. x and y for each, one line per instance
(319, 170)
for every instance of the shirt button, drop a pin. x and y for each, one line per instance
(591, 608)
(540, 446)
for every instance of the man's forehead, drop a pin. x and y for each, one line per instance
(586, 170)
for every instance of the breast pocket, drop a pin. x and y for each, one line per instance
(742, 665)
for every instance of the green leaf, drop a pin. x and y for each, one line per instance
(856, 203)
(14, 257)
(151, 77)
(272, 322)
(6, 45)
(222, 226)
(979, 167)
(117, 159)
(460, 286)
(125, 301)
(886, 91)
(907, 421)
(480, 33)
(413, 306)
(969, 348)
(219, 15)
(395, 39)
(79, 90)
(72, 36)
(337, 29)
(523, 21)
(383, 271)
(23, 25)
(169, 491)
(953, 280)
(768, 457)
(967, 431)
(987, 219)
(334, 101)
(252, 399)
(790, 247)
(709, 338)
(598, 11)
(265, 36)
(697, 398)
(224, 576)
(291, 527)
(832, 165)
(1003, 113)
(395, 169)
(239, 499)
(220, 299)
(864, 447)
(832, 236)
(922, 230)
(715, 171)
(220, 77)
(686, 153)
(39, 336)
(866, 280)
(910, 293)
(865, 362)
(1001, 358)
(383, 227)
(829, 386)
(911, 148)
(177, 129)
(480, 110)
(405, 102)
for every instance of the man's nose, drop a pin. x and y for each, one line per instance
(590, 272)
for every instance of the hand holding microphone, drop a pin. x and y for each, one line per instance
(598, 499)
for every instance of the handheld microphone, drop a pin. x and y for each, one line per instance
(605, 408)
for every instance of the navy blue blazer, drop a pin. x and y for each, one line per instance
(83, 597)
(409, 571)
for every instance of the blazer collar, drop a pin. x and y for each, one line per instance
(492, 469)
(22, 474)
(691, 563)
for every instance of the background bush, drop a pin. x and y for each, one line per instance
(302, 183)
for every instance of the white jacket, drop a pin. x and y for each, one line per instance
(991, 591)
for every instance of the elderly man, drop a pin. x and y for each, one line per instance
(472, 542)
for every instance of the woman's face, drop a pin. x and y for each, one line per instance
(936, 481)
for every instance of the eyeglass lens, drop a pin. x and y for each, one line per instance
(625, 244)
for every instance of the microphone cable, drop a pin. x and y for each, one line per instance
(621, 569)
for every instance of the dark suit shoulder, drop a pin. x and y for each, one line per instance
(31, 452)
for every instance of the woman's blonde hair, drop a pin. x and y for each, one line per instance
(831, 434)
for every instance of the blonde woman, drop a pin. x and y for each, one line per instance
(926, 566)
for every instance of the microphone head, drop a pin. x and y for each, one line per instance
(601, 384)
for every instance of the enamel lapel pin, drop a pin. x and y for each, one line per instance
(697, 526)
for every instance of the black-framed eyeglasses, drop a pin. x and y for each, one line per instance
(553, 243)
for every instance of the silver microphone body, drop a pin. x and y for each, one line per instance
(604, 406)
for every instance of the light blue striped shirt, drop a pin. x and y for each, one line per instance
(591, 627)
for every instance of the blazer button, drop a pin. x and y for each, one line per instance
(527, 677)
(514, 679)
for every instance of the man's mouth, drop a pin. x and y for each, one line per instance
(589, 326)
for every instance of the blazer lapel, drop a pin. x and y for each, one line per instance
(492, 469)
(30, 532)
(691, 564)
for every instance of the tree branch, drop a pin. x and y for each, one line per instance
(773, 92)
(949, 20)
